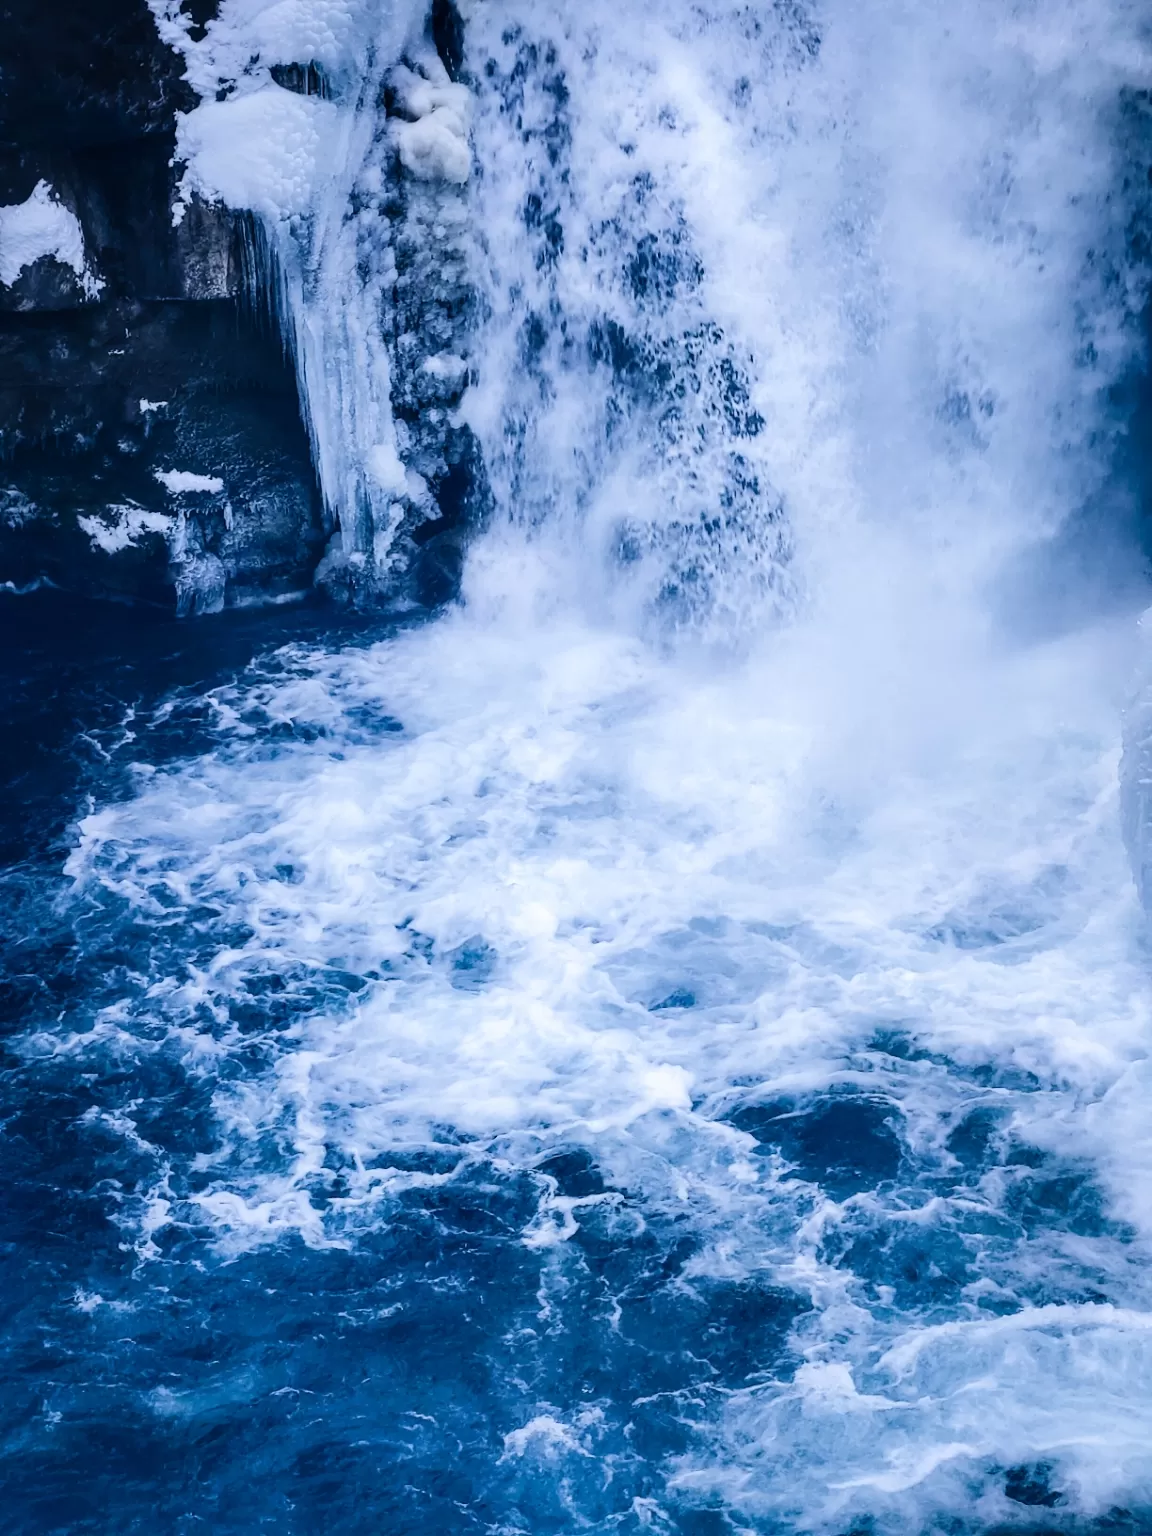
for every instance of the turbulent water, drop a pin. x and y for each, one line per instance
(664, 1046)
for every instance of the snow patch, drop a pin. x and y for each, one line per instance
(42, 226)
(128, 526)
(179, 481)
(261, 151)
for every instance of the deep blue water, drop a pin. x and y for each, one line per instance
(289, 1389)
(166, 1385)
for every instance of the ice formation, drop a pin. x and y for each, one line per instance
(355, 169)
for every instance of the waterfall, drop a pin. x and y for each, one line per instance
(688, 1002)
(726, 280)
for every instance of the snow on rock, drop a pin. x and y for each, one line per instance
(42, 226)
(129, 523)
(246, 37)
(259, 151)
(178, 481)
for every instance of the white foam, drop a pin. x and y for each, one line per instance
(547, 1435)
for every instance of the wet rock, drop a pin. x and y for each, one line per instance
(108, 422)
(129, 352)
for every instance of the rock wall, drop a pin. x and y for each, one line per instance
(151, 443)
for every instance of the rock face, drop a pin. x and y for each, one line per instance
(151, 442)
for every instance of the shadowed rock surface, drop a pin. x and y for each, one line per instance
(151, 445)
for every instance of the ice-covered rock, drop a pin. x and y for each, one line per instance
(433, 114)
(340, 127)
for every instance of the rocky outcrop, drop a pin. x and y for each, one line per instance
(151, 443)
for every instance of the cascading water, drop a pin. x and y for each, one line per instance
(665, 1045)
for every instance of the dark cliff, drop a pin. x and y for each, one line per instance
(151, 443)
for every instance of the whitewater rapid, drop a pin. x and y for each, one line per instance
(735, 874)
